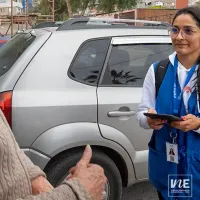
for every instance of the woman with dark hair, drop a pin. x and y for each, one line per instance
(178, 95)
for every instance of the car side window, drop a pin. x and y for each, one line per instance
(128, 64)
(89, 61)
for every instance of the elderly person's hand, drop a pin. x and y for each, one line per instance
(155, 124)
(190, 122)
(91, 176)
(40, 184)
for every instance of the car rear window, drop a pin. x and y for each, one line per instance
(13, 49)
(88, 63)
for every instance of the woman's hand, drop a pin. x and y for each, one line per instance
(190, 122)
(40, 184)
(155, 124)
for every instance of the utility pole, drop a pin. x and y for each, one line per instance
(69, 8)
(11, 13)
(26, 14)
(53, 9)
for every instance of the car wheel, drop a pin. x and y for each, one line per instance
(59, 170)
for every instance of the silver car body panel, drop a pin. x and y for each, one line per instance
(126, 99)
(124, 130)
(32, 95)
(8, 80)
(57, 100)
(63, 137)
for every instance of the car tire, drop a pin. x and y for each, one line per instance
(59, 169)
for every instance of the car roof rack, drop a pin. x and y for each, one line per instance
(47, 24)
(98, 23)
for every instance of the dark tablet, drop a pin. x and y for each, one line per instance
(169, 118)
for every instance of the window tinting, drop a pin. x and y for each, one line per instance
(13, 49)
(89, 61)
(128, 64)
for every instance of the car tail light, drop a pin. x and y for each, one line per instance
(6, 105)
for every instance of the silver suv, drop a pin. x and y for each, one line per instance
(81, 84)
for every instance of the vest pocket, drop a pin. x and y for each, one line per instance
(159, 168)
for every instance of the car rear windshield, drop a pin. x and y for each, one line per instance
(13, 49)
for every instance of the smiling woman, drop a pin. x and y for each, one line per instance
(178, 95)
(185, 35)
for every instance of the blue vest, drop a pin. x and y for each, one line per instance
(188, 144)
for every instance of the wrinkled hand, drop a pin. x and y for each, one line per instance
(91, 176)
(40, 184)
(190, 122)
(155, 124)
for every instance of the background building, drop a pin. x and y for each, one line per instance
(169, 3)
(177, 4)
(5, 7)
(150, 3)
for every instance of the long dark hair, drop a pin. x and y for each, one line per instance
(194, 12)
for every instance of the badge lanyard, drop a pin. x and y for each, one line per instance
(177, 93)
(172, 148)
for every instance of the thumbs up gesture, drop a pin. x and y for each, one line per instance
(91, 176)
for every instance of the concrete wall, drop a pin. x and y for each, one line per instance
(165, 15)
(150, 14)
(156, 14)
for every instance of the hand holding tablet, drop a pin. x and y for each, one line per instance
(169, 118)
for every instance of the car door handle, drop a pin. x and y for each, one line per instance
(121, 113)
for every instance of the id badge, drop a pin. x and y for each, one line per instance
(172, 152)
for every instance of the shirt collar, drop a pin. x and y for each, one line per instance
(172, 59)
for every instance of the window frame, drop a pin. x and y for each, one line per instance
(132, 40)
(77, 54)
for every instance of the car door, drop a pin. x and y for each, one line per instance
(120, 91)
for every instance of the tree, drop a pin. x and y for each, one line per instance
(65, 8)
(45, 8)
(61, 12)
(81, 5)
(106, 6)
(69, 8)
(113, 5)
